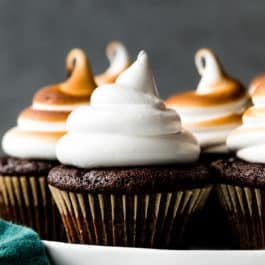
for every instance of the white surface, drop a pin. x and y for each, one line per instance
(74, 254)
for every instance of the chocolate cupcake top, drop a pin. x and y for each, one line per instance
(119, 61)
(239, 172)
(248, 140)
(130, 180)
(41, 125)
(11, 166)
(127, 124)
(215, 107)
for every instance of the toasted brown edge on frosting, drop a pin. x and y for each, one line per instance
(44, 115)
(52, 95)
(50, 136)
(228, 120)
(259, 90)
(235, 92)
(256, 82)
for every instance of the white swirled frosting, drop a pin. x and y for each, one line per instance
(248, 140)
(215, 108)
(41, 125)
(126, 124)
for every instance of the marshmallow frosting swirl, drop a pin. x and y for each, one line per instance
(215, 108)
(40, 126)
(119, 61)
(126, 124)
(248, 140)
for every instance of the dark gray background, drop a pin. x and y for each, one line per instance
(36, 35)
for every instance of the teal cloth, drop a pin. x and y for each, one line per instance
(20, 246)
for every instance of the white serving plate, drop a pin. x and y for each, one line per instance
(75, 254)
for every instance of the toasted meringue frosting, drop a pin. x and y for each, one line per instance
(119, 60)
(41, 125)
(126, 124)
(215, 108)
(256, 82)
(248, 140)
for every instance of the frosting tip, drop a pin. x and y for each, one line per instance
(142, 56)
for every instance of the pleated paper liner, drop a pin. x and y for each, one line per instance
(27, 201)
(144, 220)
(3, 212)
(245, 208)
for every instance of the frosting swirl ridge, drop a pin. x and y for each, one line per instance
(215, 107)
(126, 124)
(248, 139)
(40, 126)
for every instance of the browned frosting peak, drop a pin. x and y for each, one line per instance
(76, 89)
(215, 86)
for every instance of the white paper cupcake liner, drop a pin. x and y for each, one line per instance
(27, 201)
(143, 220)
(245, 208)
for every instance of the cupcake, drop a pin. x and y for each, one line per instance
(215, 108)
(242, 178)
(119, 61)
(211, 112)
(129, 175)
(30, 148)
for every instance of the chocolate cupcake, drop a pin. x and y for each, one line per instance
(30, 147)
(129, 175)
(211, 112)
(242, 180)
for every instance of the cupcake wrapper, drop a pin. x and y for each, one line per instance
(3, 212)
(144, 220)
(245, 210)
(27, 201)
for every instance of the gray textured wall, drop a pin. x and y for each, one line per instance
(36, 35)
